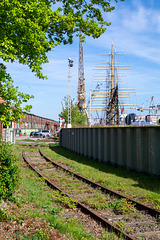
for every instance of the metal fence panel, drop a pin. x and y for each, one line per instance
(135, 148)
(8, 135)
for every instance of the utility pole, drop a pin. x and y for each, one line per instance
(70, 64)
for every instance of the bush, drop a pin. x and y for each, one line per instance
(8, 171)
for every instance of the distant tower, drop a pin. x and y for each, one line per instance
(70, 64)
(81, 94)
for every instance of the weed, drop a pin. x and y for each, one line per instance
(42, 234)
(41, 198)
(111, 204)
(153, 225)
(4, 215)
(157, 207)
(97, 201)
(123, 206)
(64, 200)
(124, 227)
(53, 211)
(131, 183)
(18, 200)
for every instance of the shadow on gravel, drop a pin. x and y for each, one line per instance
(143, 180)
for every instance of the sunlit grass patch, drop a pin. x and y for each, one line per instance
(35, 200)
(132, 184)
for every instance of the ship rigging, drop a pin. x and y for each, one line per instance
(109, 98)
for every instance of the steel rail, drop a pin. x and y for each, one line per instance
(153, 212)
(83, 208)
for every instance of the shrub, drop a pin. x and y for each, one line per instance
(8, 171)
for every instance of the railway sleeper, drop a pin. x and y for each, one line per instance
(149, 235)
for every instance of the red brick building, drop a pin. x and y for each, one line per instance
(32, 121)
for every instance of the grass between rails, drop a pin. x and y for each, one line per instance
(141, 187)
(36, 211)
(92, 197)
(41, 140)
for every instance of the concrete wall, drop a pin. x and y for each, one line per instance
(26, 132)
(134, 148)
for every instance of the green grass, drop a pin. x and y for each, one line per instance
(37, 140)
(142, 187)
(36, 200)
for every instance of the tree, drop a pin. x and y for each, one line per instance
(10, 109)
(30, 28)
(77, 117)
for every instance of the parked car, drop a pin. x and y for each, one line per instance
(46, 133)
(32, 134)
(38, 135)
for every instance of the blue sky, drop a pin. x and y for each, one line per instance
(135, 31)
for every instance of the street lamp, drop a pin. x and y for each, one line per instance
(70, 64)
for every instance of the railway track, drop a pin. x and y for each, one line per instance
(138, 222)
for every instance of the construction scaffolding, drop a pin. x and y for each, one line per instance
(108, 98)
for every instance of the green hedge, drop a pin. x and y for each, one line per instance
(8, 171)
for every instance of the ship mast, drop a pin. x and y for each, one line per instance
(111, 96)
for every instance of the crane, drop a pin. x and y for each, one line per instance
(81, 94)
(153, 106)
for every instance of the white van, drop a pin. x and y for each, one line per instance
(46, 133)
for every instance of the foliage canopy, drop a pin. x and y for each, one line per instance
(77, 117)
(11, 109)
(30, 28)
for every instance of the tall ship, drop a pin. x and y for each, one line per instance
(107, 100)
(107, 103)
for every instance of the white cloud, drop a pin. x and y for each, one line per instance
(134, 31)
(136, 21)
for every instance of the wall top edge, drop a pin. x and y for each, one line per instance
(116, 127)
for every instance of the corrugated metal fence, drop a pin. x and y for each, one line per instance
(135, 148)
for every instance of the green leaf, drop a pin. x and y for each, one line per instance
(11, 109)
(30, 28)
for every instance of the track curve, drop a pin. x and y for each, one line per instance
(85, 209)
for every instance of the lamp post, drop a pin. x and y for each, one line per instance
(70, 64)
